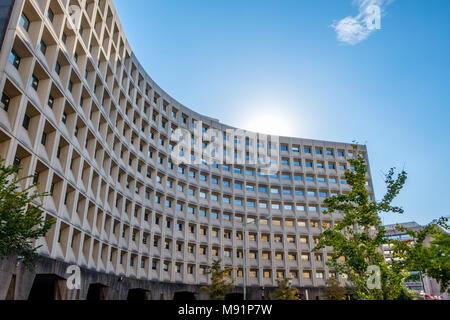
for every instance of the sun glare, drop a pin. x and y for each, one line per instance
(271, 122)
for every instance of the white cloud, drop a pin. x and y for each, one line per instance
(353, 30)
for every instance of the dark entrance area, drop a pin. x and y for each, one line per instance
(138, 294)
(234, 297)
(97, 291)
(44, 287)
(184, 296)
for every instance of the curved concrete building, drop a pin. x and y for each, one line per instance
(80, 113)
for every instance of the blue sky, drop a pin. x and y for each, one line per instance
(238, 60)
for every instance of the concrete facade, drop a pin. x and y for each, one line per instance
(80, 113)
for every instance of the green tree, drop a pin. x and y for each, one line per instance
(439, 266)
(21, 218)
(432, 260)
(221, 281)
(285, 291)
(357, 239)
(333, 290)
(406, 294)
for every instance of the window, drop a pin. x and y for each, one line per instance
(307, 150)
(50, 15)
(50, 102)
(289, 223)
(301, 223)
(4, 103)
(26, 122)
(34, 82)
(24, 21)
(43, 138)
(14, 58)
(57, 68)
(43, 47)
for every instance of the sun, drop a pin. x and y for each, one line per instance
(269, 122)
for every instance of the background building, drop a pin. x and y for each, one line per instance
(80, 113)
